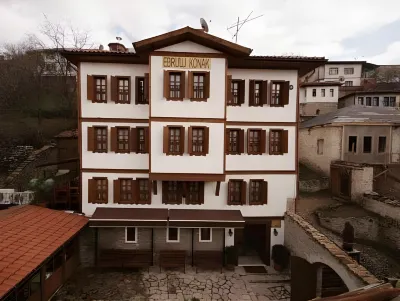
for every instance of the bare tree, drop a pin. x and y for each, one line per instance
(386, 74)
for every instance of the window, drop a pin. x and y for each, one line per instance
(361, 100)
(368, 101)
(205, 235)
(236, 92)
(382, 144)
(173, 234)
(143, 187)
(171, 192)
(126, 191)
(320, 146)
(100, 139)
(348, 70)
(123, 90)
(275, 141)
(130, 235)
(198, 85)
(174, 137)
(392, 101)
(175, 85)
(140, 89)
(331, 92)
(198, 141)
(236, 195)
(100, 88)
(254, 146)
(194, 193)
(333, 71)
(367, 145)
(323, 92)
(141, 140)
(123, 140)
(255, 192)
(375, 101)
(257, 93)
(352, 144)
(386, 101)
(314, 92)
(276, 94)
(234, 144)
(348, 83)
(100, 190)
(317, 112)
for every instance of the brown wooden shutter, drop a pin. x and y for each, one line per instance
(117, 191)
(165, 140)
(264, 192)
(183, 84)
(137, 79)
(149, 186)
(207, 85)
(201, 187)
(146, 87)
(248, 141)
(242, 90)
(164, 192)
(91, 190)
(114, 89)
(190, 140)
(106, 200)
(243, 192)
(206, 138)
(270, 142)
(154, 184)
(335, 181)
(90, 87)
(146, 139)
(263, 141)
(285, 93)
(134, 140)
(190, 85)
(241, 141)
(264, 93)
(135, 191)
(229, 89)
(229, 193)
(217, 187)
(166, 84)
(90, 139)
(227, 141)
(114, 141)
(251, 93)
(182, 140)
(285, 142)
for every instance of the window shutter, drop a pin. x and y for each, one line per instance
(183, 84)
(229, 89)
(146, 87)
(134, 140)
(263, 141)
(146, 139)
(264, 192)
(190, 140)
(90, 87)
(285, 93)
(241, 91)
(206, 140)
(182, 141)
(227, 141)
(243, 193)
(251, 93)
(91, 191)
(190, 84)
(285, 141)
(229, 193)
(165, 140)
(241, 141)
(248, 141)
(90, 139)
(207, 85)
(135, 191)
(137, 78)
(114, 139)
(264, 92)
(117, 191)
(201, 187)
(154, 184)
(149, 186)
(114, 89)
(270, 142)
(106, 201)
(164, 192)
(166, 84)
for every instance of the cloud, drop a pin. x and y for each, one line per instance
(389, 57)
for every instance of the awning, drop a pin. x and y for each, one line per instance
(129, 217)
(193, 218)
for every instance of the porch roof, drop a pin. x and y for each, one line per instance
(205, 218)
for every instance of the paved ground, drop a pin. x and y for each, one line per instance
(88, 284)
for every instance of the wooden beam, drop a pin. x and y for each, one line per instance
(154, 187)
(217, 187)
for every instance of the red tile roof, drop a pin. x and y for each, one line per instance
(29, 235)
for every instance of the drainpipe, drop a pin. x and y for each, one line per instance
(343, 145)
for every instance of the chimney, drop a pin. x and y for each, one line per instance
(117, 47)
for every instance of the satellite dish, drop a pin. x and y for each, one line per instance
(101, 47)
(204, 25)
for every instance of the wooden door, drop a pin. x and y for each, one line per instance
(303, 280)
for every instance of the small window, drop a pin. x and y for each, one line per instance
(126, 192)
(172, 192)
(100, 88)
(333, 71)
(199, 85)
(123, 140)
(140, 94)
(368, 101)
(352, 144)
(143, 190)
(317, 112)
(367, 145)
(236, 92)
(323, 92)
(314, 92)
(194, 193)
(141, 140)
(123, 90)
(392, 101)
(382, 144)
(320, 146)
(375, 101)
(257, 93)
(175, 85)
(233, 142)
(276, 142)
(348, 83)
(130, 235)
(386, 101)
(276, 94)
(331, 92)
(254, 146)
(235, 192)
(348, 70)
(198, 139)
(173, 234)
(361, 100)
(174, 139)
(100, 191)
(255, 192)
(100, 136)
(205, 235)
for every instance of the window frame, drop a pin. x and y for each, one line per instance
(229, 151)
(375, 104)
(178, 235)
(95, 78)
(278, 142)
(96, 149)
(178, 142)
(239, 93)
(368, 99)
(360, 100)
(203, 144)
(131, 191)
(385, 101)
(166, 193)
(126, 143)
(319, 150)
(139, 100)
(322, 92)
(126, 235)
(314, 92)
(140, 193)
(392, 100)
(333, 71)
(260, 192)
(279, 98)
(251, 152)
(199, 193)
(384, 145)
(168, 82)
(128, 93)
(139, 142)
(206, 87)
(200, 236)
(332, 92)
(370, 145)
(96, 191)
(238, 182)
(348, 69)
(260, 94)
(348, 83)
(349, 146)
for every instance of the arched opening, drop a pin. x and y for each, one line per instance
(317, 112)
(328, 282)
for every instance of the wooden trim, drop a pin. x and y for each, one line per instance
(106, 170)
(149, 115)
(188, 54)
(296, 140)
(225, 109)
(79, 105)
(187, 177)
(217, 188)
(259, 172)
(184, 119)
(261, 219)
(251, 123)
(117, 120)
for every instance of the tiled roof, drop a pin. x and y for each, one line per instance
(29, 235)
(99, 51)
(287, 57)
(68, 134)
(323, 84)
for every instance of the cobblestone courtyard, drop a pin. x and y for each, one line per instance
(89, 284)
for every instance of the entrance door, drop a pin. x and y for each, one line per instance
(257, 241)
(345, 184)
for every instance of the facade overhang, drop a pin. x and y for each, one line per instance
(187, 177)
(198, 218)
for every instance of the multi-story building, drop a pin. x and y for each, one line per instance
(373, 98)
(188, 143)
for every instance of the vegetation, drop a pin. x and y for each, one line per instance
(231, 255)
(280, 256)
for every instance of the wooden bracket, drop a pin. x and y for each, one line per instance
(217, 186)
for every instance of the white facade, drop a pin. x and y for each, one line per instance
(370, 100)
(353, 74)
(326, 94)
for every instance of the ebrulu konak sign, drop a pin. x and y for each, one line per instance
(186, 62)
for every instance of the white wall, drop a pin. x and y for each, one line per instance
(188, 46)
(307, 97)
(110, 159)
(280, 188)
(350, 99)
(265, 113)
(111, 109)
(264, 161)
(214, 107)
(280, 238)
(356, 77)
(211, 163)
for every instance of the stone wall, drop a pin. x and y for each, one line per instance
(382, 206)
(362, 181)
(87, 247)
(306, 242)
(314, 185)
(310, 109)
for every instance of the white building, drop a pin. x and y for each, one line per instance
(373, 98)
(188, 144)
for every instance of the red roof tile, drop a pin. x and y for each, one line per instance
(31, 234)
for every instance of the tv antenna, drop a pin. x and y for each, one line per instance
(239, 24)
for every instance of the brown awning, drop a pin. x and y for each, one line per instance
(205, 218)
(125, 217)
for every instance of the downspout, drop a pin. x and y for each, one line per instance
(342, 141)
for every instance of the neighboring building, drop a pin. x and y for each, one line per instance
(39, 251)
(318, 98)
(67, 150)
(156, 173)
(355, 134)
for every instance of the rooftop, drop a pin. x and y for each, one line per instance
(324, 84)
(68, 134)
(29, 235)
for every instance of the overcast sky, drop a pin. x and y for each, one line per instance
(337, 29)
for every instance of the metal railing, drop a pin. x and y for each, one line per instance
(16, 198)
